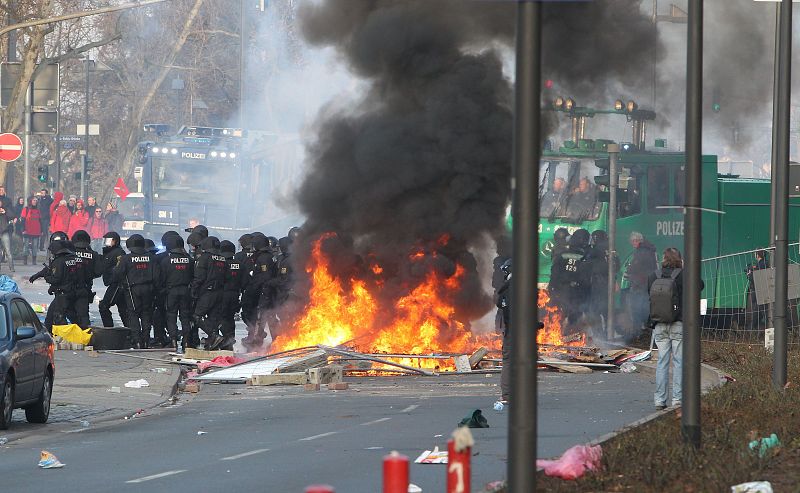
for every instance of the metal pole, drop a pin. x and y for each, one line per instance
(690, 420)
(613, 182)
(527, 149)
(27, 164)
(775, 110)
(782, 206)
(242, 63)
(86, 130)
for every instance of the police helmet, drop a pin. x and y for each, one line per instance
(210, 244)
(199, 229)
(194, 239)
(246, 241)
(260, 242)
(227, 248)
(579, 239)
(560, 236)
(135, 241)
(58, 235)
(58, 246)
(172, 242)
(167, 235)
(81, 239)
(272, 242)
(150, 245)
(293, 234)
(284, 244)
(599, 236)
(111, 239)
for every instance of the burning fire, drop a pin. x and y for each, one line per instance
(551, 318)
(347, 313)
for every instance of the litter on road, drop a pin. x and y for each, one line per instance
(49, 461)
(753, 487)
(574, 463)
(434, 456)
(137, 384)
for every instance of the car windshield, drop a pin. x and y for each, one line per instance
(132, 208)
(567, 190)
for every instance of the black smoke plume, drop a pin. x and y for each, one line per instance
(423, 161)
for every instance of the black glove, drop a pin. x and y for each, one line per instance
(33, 278)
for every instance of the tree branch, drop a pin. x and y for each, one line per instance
(74, 53)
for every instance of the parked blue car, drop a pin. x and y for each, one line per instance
(27, 367)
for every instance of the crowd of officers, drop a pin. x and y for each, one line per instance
(204, 287)
(579, 275)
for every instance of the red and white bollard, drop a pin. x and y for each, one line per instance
(320, 488)
(459, 473)
(395, 473)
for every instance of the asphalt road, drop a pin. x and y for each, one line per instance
(283, 439)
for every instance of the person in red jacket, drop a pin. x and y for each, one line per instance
(79, 220)
(59, 219)
(97, 228)
(32, 230)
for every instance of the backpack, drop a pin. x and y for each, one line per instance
(664, 300)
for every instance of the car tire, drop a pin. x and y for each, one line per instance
(40, 411)
(6, 403)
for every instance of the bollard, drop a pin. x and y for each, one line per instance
(458, 469)
(395, 473)
(320, 488)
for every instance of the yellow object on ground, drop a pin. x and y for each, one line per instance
(73, 333)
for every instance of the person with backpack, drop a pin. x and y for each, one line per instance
(571, 277)
(666, 303)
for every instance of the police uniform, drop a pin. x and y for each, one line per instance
(67, 278)
(259, 296)
(137, 272)
(177, 271)
(160, 337)
(114, 295)
(207, 288)
(93, 263)
(233, 284)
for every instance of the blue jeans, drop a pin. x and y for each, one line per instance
(669, 341)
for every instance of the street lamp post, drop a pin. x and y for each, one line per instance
(85, 157)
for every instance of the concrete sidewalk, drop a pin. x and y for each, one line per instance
(82, 390)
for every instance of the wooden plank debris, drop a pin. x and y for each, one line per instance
(298, 378)
(571, 368)
(477, 356)
(325, 374)
(304, 362)
(463, 364)
(201, 354)
(355, 355)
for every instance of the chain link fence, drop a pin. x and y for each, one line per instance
(733, 304)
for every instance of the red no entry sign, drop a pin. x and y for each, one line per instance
(10, 147)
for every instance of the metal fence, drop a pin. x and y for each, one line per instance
(732, 312)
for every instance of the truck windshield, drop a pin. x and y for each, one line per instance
(567, 190)
(175, 179)
(132, 209)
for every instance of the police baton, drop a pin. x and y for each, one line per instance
(130, 293)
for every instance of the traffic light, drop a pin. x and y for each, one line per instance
(44, 173)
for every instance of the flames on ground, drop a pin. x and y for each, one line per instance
(421, 320)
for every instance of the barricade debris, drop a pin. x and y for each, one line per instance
(49, 461)
(753, 487)
(574, 463)
(434, 456)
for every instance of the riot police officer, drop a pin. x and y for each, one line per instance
(571, 277)
(230, 297)
(137, 272)
(259, 297)
(504, 304)
(93, 262)
(282, 281)
(207, 288)
(160, 337)
(196, 236)
(114, 295)
(176, 268)
(67, 278)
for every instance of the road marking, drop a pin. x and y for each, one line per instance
(375, 422)
(321, 435)
(410, 408)
(156, 476)
(246, 454)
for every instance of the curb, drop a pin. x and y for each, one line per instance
(710, 378)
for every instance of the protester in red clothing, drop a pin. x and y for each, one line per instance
(32, 230)
(57, 196)
(97, 228)
(79, 220)
(59, 219)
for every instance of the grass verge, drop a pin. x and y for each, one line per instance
(653, 458)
